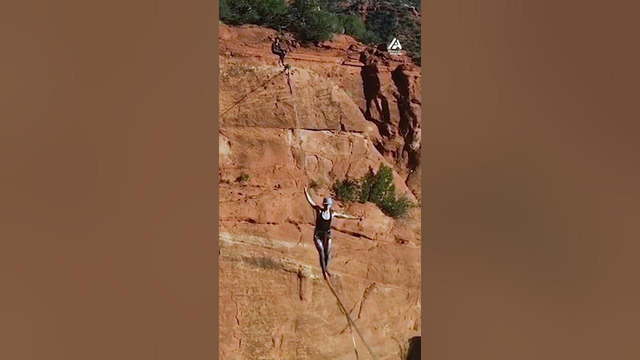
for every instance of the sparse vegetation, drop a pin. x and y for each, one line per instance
(346, 190)
(269, 13)
(244, 177)
(319, 20)
(310, 22)
(354, 26)
(396, 207)
(374, 187)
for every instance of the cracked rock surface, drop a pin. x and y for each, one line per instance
(273, 301)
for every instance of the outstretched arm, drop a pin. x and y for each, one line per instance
(309, 199)
(345, 216)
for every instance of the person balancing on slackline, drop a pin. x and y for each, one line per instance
(322, 234)
(322, 239)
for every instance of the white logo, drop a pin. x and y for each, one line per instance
(394, 47)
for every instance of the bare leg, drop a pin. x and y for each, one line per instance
(321, 253)
(327, 256)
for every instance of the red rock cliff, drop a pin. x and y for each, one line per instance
(273, 301)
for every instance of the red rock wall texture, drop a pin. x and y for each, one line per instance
(273, 301)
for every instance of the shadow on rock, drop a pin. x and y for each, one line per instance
(414, 348)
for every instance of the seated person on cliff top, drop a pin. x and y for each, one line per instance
(278, 49)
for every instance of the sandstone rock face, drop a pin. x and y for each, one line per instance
(274, 303)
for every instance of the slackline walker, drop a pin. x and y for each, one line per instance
(324, 215)
(322, 240)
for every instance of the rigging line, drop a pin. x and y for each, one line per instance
(247, 94)
(350, 322)
(353, 339)
(297, 120)
(344, 310)
(355, 347)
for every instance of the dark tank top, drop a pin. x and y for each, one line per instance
(323, 225)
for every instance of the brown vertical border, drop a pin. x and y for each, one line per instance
(108, 203)
(216, 138)
(530, 180)
(216, 125)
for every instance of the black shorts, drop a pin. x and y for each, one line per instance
(322, 235)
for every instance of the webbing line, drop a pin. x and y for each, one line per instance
(346, 314)
(247, 94)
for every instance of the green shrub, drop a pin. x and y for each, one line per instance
(395, 207)
(409, 34)
(365, 186)
(370, 38)
(353, 26)
(381, 184)
(310, 22)
(225, 12)
(258, 12)
(383, 24)
(346, 190)
(374, 187)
